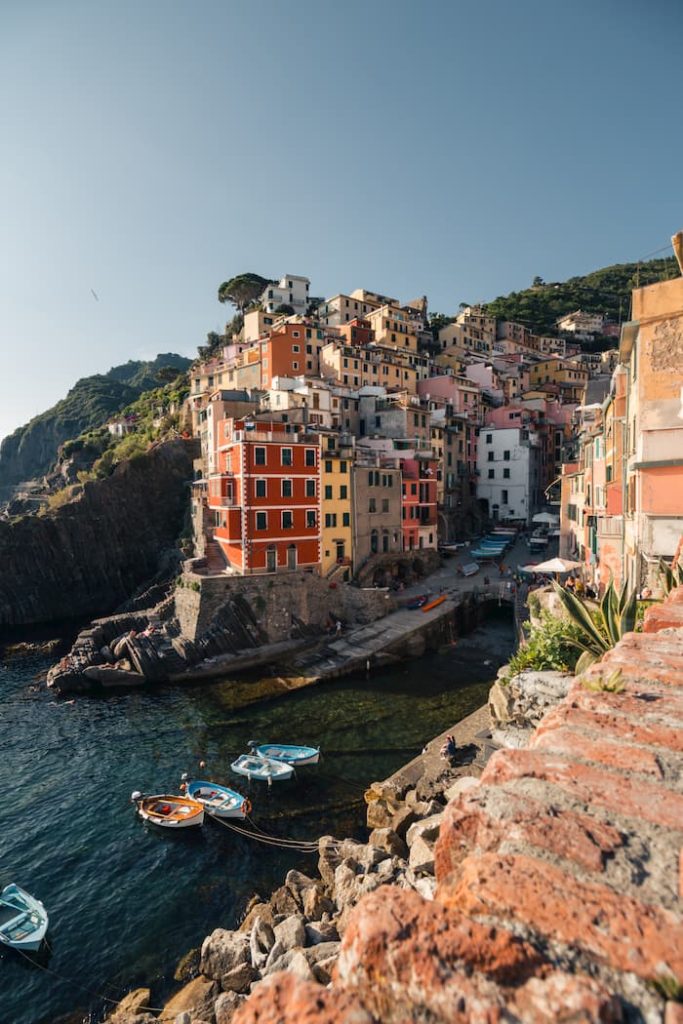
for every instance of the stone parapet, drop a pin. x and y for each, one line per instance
(559, 874)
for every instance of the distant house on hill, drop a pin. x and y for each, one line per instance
(581, 324)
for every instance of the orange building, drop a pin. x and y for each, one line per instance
(265, 498)
(419, 501)
(283, 354)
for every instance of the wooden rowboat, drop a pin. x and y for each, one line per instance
(23, 919)
(170, 812)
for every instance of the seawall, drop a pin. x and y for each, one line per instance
(86, 557)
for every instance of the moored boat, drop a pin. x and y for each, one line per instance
(169, 811)
(217, 800)
(23, 919)
(254, 767)
(434, 604)
(290, 753)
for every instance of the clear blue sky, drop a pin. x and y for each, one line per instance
(457, 148)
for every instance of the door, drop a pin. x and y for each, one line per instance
(341, 551)
(291, 556)
(271, 560)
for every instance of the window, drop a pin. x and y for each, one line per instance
(504, 497)
(328, 492)
(286, 456)
(287, 520)
(343, 491)
(310, 488)
(261, 520)
(330, 519)
(489, 438)
(506, 474)
(260, 456)
(413, 488)
(295, 366)
(506, 456)
(492, 474)
(295, 348)
(328, 466)
(342, 466)
(310, 456)
(372, 505)
(310, 518)
(385, 504)
(261, 489)
(490, 456)
(286, 488)
(346, 519)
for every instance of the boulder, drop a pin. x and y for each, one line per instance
(402, 820)
(321, 931)
(294, 962)
(226, 1006)
(290, 932)
(131, 1007)
(422, 856)
(187, 967)
(239, 978)
(261, 941)
(257, 912)
(461, 785)
(389, 841)
(283, 901)
(427, 828)
(196, 998)
(221, 951)
(316, 903)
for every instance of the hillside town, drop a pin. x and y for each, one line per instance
(341, 433)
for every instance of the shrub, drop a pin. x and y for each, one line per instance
(552, 644)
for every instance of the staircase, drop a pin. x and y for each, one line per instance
(215, 559)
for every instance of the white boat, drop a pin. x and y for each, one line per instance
(255, 767)
(23, 919)
(169, 812)
(290, 753)
(217, 800)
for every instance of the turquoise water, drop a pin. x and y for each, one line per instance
(125, 901)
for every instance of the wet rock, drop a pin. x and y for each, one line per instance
(226, 1007)
(132, 1007)
(196, 998)
(187, 967)
(389, 841)
(290, 932)
(223, 950)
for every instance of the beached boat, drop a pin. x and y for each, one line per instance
(469, 568)
(417, 602)
(255, 767)
(288, 752)
(434, 604)
(217, 800)
(170, 812)
(23, 919)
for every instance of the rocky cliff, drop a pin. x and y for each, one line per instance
(86, 557)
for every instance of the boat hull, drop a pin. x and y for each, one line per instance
(218, 801)
(288, 753)
(24, 920)
(172, 813)
(262, 768)
(434, 604)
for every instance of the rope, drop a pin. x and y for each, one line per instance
(83, 988)
(301, 846)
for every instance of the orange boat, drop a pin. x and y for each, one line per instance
(171, 812)
(433, 604)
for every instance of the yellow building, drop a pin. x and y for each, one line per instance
(558, 371)
(336, 505)
(357, 367)
(393, 328)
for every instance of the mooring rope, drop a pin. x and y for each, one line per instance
(300, 846)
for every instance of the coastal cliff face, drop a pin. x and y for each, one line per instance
(86, 557)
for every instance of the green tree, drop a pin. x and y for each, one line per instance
(242, 290)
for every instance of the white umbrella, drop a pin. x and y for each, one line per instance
(545, 517)
(557, 565)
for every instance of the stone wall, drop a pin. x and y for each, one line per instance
(86, 557)
(559, 874)
(277, 601)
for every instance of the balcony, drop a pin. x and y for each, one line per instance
(611, 526)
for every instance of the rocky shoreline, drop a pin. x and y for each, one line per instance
(300, 927)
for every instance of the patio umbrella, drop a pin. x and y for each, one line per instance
(557, 565)
(545, 517)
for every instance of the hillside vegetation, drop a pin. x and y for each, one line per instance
(606, 291)
(32, 449)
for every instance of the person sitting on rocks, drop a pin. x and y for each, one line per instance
(449, 749)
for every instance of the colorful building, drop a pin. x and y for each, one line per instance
(265, 498)
(419, 501)
(336, 503)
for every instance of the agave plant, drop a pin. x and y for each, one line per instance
(603, 627)
(671, 576)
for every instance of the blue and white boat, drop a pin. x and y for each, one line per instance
(23, 919)
(290, 753)
(217, 800)
(263, 768)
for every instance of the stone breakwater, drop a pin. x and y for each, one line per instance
(556, 892)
